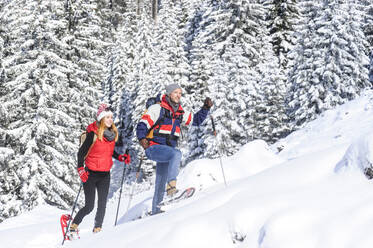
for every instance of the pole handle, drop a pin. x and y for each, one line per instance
(213, 125)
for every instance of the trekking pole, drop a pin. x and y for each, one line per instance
(72, 212)
(133, 185)
(120, 194)
(221, 162)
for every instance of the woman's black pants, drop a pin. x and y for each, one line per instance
(100, 181)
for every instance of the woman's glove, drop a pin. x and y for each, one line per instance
(126, 158)
(83, 174)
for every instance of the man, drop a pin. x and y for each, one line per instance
(158, 133)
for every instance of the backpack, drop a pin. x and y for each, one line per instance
(153, 100)
(82, 138)
(149, 102)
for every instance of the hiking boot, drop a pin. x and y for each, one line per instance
(73, 232)
(96, 230)
(74, 227)
(171, 188)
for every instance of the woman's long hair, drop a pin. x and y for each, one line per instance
(101, 129)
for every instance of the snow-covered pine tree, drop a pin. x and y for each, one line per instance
(271, 121)
(171, 44)
(251, 68)
(206, 28)
(123, 91)
(120, 96)
(198, 51)
(234, 42)
(301, 62)
(42, 102)
(110, 13)
(119, 8)
(367, 26)
(90, 41)
(269, 117)
(241, 92)
(330, 63)
(281, 17)
(145, 77)
(371, 68)
(361, 35)
(365, 15)
(2, 55)
(120, 60)
(254, 72)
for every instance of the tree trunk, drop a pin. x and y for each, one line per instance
(154, 9)
(138, 11)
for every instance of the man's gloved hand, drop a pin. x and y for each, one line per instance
(126, 158)
(207, 104)
(144, 143)
(83, 174)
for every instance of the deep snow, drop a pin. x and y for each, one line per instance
(312, 194)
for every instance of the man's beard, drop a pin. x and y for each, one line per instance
(172, 100)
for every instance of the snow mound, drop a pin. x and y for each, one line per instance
(251, 159)
(332, 128)
(359, 156)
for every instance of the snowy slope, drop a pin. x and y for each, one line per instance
(311, 194)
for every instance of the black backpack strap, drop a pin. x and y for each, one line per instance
(162, 116)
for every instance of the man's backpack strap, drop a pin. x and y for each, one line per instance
(159, 120)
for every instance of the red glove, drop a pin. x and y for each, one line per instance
(126, 158)
(83, 174)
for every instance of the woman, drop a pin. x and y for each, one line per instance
(96, 153)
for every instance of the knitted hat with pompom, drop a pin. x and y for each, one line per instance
(103, 110)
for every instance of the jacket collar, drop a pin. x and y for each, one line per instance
(165, 104)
